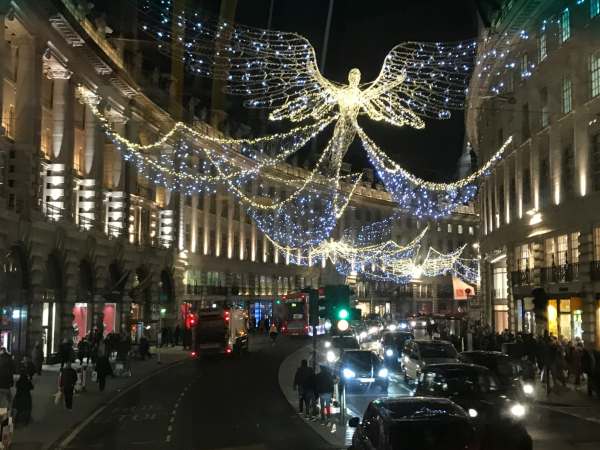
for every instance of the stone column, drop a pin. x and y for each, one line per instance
(194, 224)
(230, 234)
(27, 125)
(218, 224)
(586, 257)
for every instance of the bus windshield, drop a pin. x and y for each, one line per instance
(296, 310)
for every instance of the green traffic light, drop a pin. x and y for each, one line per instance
(343, 314)
(278, 302)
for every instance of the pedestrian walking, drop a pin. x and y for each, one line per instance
(65, 351)
(37, 357)
(22, 403)
(103, 369)
(83, 350)
(301, 378)
(7, 372)
(324, 387)
(176, 335)
(68, 380)
(144, 348)
(273, 332)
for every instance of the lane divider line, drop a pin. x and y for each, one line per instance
(73, 434)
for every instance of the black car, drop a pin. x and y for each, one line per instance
(510, 372)
(497, 414)
(392, 346)
(362, 368)
(411, 423)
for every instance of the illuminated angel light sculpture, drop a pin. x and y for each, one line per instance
(278, 71)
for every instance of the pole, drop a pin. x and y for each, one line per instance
(159, 339)
(314, 349)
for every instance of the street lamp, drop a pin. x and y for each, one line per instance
(163, 311)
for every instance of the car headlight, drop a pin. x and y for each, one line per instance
(403, 326)
(423, 323)
(348, 373)
(373, 330)
(363, 334)
(517, 410)
(383, 373)
(472, 412)
(392, 327)
(413, 323)
(389, 352)
(528, 389)
(327, 344)
(331, 356)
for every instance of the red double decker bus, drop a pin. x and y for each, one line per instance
(295, 311)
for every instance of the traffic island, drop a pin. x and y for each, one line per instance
(341, 435)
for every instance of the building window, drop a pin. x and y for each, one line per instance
(500, 283)
(595, 74)
(564, 25)
(567, 95)
(543, 47)
(562, 248)
(597, 244)
(449, 228)
(471, 231)
(525, 65)
(544, 182)
(459, 229)
(568, 171)
(526, 188)
(594, 8)
(523, 257)
(595, 172)
(549, 249)
(574, 247)
(545, 111)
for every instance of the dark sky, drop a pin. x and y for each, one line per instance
(362, 33)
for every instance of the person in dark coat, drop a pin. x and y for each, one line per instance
(22, 402)
(83, 350)
(176, 335)
(28, 366)
(324, 388)
(68, 380)
(588, 367)
(144, 348)
(65, 352)
(303, 373)
(37, 357)
(103, 369)
(7, 371)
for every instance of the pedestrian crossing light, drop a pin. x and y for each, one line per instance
(343, 314)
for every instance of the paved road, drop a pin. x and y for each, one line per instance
(217, 404)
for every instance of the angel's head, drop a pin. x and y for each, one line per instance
(354, 77)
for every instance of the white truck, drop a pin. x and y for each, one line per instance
(221, 330)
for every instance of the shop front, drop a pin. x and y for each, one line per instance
(525, 315)
(81, 317)
(13, 328)
(565, 317)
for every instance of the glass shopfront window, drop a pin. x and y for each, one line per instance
(565, 317)
(80, 321)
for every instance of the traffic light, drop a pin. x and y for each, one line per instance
(342, 314)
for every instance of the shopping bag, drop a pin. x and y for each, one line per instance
(58, 397)
(94, 376)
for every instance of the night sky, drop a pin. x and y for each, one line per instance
(361, 36)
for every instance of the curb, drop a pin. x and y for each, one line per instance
(337, 439)
(68, 436)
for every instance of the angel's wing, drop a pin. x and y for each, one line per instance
(420, 78)
(272, 69)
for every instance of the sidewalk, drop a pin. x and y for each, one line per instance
(50, 422)
(571, 401)
(338, 437)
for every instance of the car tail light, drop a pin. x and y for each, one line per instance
(193, 354)
(228, 350)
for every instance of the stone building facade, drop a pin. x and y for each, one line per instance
(540, 220)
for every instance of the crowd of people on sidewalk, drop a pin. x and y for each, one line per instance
(557, 360)
(315, 392)
(97, 355)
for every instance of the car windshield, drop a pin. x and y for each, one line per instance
(437, 350)
(359, 360)
(346, 342)
(502, 366)
(396, 339)
(430, 435)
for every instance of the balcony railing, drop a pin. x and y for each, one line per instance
(522, 277)
(560, 274)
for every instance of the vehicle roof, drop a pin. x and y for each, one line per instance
(410, 408)
(441, 367)
(488, 353)
(427, 341)
(398, 332)
(356, 350)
